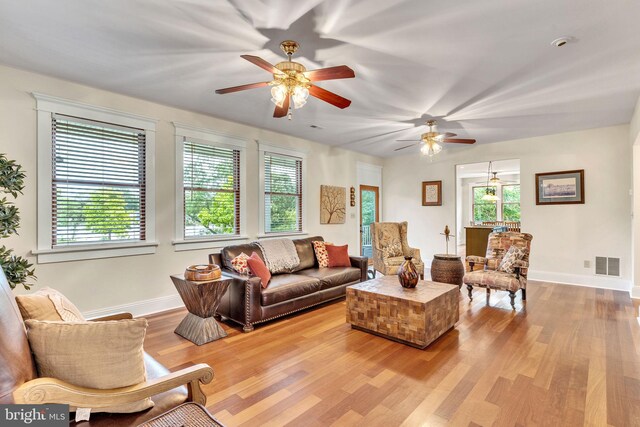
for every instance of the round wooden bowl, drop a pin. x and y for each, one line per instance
(201, 272)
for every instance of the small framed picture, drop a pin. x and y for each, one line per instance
(560, 188)
(432, 193)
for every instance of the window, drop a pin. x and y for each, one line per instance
(511, 202)
(483, 210)
(211, 191)
(282, 193)
(96, 189)
(98, 182)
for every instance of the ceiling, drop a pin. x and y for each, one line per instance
(479, 170)
(484, 69)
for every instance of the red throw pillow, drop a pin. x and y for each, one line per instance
(338, 256)
(257, 267)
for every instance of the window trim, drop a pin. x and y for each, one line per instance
(264, 147)
(215, 139)
(47, 105)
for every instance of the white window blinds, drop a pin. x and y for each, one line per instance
(282, 193)
(211, 190)
(98, 182)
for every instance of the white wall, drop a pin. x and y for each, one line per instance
(634, 139)
(98, 284)
(564, 235)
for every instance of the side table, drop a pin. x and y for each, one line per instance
(202, 300)
(447, 269)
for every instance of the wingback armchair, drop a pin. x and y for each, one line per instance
(484, 271)
(19, 382)
(390, 246)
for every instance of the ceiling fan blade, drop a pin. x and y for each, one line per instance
(282, 111)
(402, 148)
(242, 87)
(331, 73)
(460, 140)
(446, 135)
(261, 63)
(329, 97)
(408, 140)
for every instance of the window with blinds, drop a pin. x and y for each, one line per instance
(211, 177)
(282, 193)
(98, 182)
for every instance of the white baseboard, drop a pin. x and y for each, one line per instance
(581, 280)
(139, 308)
(635, 292)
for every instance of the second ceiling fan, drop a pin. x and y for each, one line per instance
(430, 141)
(292, 80)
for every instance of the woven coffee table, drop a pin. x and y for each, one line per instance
(415, 317)
(186, 415)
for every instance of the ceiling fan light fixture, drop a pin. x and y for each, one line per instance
(430, 148)
(299, 96)
(278, 94)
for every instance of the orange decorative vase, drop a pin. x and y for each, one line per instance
(407, 274)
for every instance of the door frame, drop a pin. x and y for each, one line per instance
(376, 190)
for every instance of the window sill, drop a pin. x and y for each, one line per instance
(208, 243)
(285, 234)
(85, 252)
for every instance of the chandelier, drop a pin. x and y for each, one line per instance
(490, 192)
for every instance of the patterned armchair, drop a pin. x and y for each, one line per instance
(390, 246)
(484, 270)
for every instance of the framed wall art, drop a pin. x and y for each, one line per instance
(560, 188)
(432, 193)
(333, 204)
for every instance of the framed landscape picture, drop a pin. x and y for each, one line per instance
(432, 193)
(560, 188)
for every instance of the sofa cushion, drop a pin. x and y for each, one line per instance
(284, 287)
(228, 253)
(257, 267)
(338, 256)
(332, 277)
(305, 251)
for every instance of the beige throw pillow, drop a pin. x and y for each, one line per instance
(48, 304)
(101, 355)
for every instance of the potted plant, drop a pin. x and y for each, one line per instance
(17, 269)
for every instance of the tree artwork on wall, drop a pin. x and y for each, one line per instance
(333, 204)
(17, 269)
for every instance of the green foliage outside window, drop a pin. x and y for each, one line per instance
(368, 207)
(488, 211)
(284, 207)
(511, 202)
(106, 213)
(483, 210)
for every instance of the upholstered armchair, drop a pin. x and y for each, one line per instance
(485, 272)
(390, 246)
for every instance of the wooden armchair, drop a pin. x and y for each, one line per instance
(19, 382)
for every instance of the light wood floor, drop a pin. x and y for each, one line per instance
(570, 358)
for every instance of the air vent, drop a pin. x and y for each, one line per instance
(608, 266)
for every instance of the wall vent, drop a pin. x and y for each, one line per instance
(607, 266)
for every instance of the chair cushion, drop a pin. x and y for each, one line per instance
(332, 277)
(163, 402)
(511, 257)
(284, 287)
(101, 355)
(394, 249)
(494, 280)
(396, 260)
(48, 304)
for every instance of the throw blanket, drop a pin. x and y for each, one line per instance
(280, 255)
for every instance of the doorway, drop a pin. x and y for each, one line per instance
(369, 212)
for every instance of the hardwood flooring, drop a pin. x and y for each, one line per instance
(569, 358)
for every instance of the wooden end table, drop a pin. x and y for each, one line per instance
(447, 269)
(202, 300)
(415, 317)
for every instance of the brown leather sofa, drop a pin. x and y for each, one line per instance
(247, 303)
(19, 382)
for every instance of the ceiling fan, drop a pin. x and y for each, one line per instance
(430, 141)
(292, 80)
